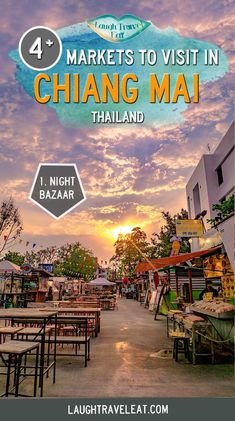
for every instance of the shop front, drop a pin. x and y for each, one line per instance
(196, 293)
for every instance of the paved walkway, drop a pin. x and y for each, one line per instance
(121, 364)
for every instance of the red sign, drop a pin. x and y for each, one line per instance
(26, 267)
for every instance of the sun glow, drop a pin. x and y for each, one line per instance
(122, 229)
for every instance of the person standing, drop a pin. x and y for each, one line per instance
(50, 294)
(61, 292)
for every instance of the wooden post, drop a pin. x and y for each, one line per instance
(12, 280)
(190, 286)
(176, 283)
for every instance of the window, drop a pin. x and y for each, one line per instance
(189, 206)
(196, 200)
(220, 175)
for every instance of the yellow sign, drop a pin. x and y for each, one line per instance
(189, 228)
(208, 296)
(217, 266)
(228, 284)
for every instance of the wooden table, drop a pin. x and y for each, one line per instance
(106, 303)
(58, 302)
(83, 311)
(29, 315)
(74, 319)
(77, 304)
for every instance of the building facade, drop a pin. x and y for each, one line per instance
(212, 181)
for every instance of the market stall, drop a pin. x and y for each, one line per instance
(220, 314)
(208, 324)
(196, 292)
(17, 288)
(185, 277)
(11, 288)
(105, 292)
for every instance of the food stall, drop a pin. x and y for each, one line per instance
(220, 314)
(11, 288)
(208, 322)
(105, 290)
(17, 287)
(186, 274)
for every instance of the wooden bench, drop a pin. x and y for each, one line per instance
(72, 340)
(8, 330)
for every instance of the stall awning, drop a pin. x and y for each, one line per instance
(7, 266)
(154, 264)
(100, 282)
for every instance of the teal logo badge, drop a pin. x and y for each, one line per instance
(117, 29)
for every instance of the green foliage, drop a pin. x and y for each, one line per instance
(223, 210)
(133, 247)
(72, 260)
(129, 249)
(78, 262)
(15, 257)
(161, 245)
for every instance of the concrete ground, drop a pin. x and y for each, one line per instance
(122, 364)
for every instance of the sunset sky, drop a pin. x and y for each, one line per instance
(129, 175)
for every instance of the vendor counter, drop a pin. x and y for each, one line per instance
(220, 315)
(205, 328)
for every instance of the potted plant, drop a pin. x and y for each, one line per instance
(224, 223)
(224, 211)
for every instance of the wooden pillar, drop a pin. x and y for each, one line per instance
(169, 276)
(176, 283)
(12, 280)
(190, 286)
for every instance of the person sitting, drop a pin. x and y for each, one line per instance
(209, 289)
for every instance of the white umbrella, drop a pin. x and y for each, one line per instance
(6, 266)
(101, 282)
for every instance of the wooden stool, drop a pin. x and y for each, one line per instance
(25, 333)
(16, 350)
(69, 330)
(180, 337)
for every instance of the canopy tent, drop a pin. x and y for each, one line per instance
(155, 264)
(100, 282)
(6, 266)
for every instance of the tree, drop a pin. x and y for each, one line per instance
(129, 249)
(161, 245)
(72, 260)
(10, 224)
(47, 255)
(15, 257)
(76, 261)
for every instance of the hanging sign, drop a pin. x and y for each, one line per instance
(189, 228)
(26, 268)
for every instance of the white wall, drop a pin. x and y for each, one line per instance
(205, 175)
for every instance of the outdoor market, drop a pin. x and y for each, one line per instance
(155, 318)
(46, 320)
